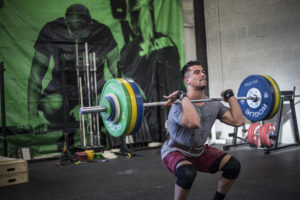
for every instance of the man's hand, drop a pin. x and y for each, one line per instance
(171, 98)
(226, 94)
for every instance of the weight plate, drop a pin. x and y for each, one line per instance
(104, 102)
(268, 130)
(140, 104)
(273, 95)
(259, 86)
(117, 107)
(115, 86)
(113, 108)
(133, 105)
(250, 130)
(262, 136)
(277, 94)
(255, 133)
(250, 133)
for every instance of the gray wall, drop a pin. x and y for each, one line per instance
(189, 29)
(247, 37)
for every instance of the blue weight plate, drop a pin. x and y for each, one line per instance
(113, 108)
(259, 86)
(140, 104)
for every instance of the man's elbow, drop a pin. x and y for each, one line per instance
(240, 122)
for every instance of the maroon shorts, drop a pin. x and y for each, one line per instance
(202, 163)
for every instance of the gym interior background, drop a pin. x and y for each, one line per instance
(232, 38)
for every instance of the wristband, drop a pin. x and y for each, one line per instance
(181, 95)
(227, 94)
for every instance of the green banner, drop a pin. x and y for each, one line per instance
(141, 39)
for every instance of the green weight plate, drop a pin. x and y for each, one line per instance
(118, 128)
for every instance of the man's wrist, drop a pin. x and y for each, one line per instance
(181, 95)
(227, 94)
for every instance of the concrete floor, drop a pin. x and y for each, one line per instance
(275, 176)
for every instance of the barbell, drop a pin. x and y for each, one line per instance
(122, 108)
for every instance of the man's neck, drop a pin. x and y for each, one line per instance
(196, 94)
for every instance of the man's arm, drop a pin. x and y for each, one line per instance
(189, 116)
(234, 115)
(39, 68)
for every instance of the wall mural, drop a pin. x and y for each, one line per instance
(44, 43)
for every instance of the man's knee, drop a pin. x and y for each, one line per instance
(186, 175)
(231, 169)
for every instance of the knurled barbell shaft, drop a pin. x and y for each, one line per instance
(98, 109)
(253, 98)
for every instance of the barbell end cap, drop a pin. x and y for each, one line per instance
(254, 98)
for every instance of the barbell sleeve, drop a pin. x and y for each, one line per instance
(92, 109)
(98, 109)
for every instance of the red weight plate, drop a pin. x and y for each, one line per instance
(250, 130)
(269, 128)
(263, 135)
(250, 133)
(255, 132)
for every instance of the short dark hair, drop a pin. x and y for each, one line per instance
(77, 17)
(185, 68)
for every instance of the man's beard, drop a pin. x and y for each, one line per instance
(200, 87)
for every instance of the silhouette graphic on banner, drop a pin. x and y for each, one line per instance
(57, 40)
(148, 57)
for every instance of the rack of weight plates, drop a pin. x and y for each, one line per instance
(261, 133)
(270, 134)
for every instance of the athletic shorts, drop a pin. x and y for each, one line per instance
(202, 163)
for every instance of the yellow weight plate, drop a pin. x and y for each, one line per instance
(277, 98)
(279, 92)
(133, 105)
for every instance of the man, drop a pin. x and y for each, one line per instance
(189, 125)
(57, 40)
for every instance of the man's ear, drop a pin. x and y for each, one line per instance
(186, 80)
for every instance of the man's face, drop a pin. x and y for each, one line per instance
(196, 77)
(78, 20)
(77, 24)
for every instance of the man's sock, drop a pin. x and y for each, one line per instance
(219, 196)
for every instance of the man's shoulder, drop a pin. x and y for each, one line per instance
(55, 22)
(98, 25)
